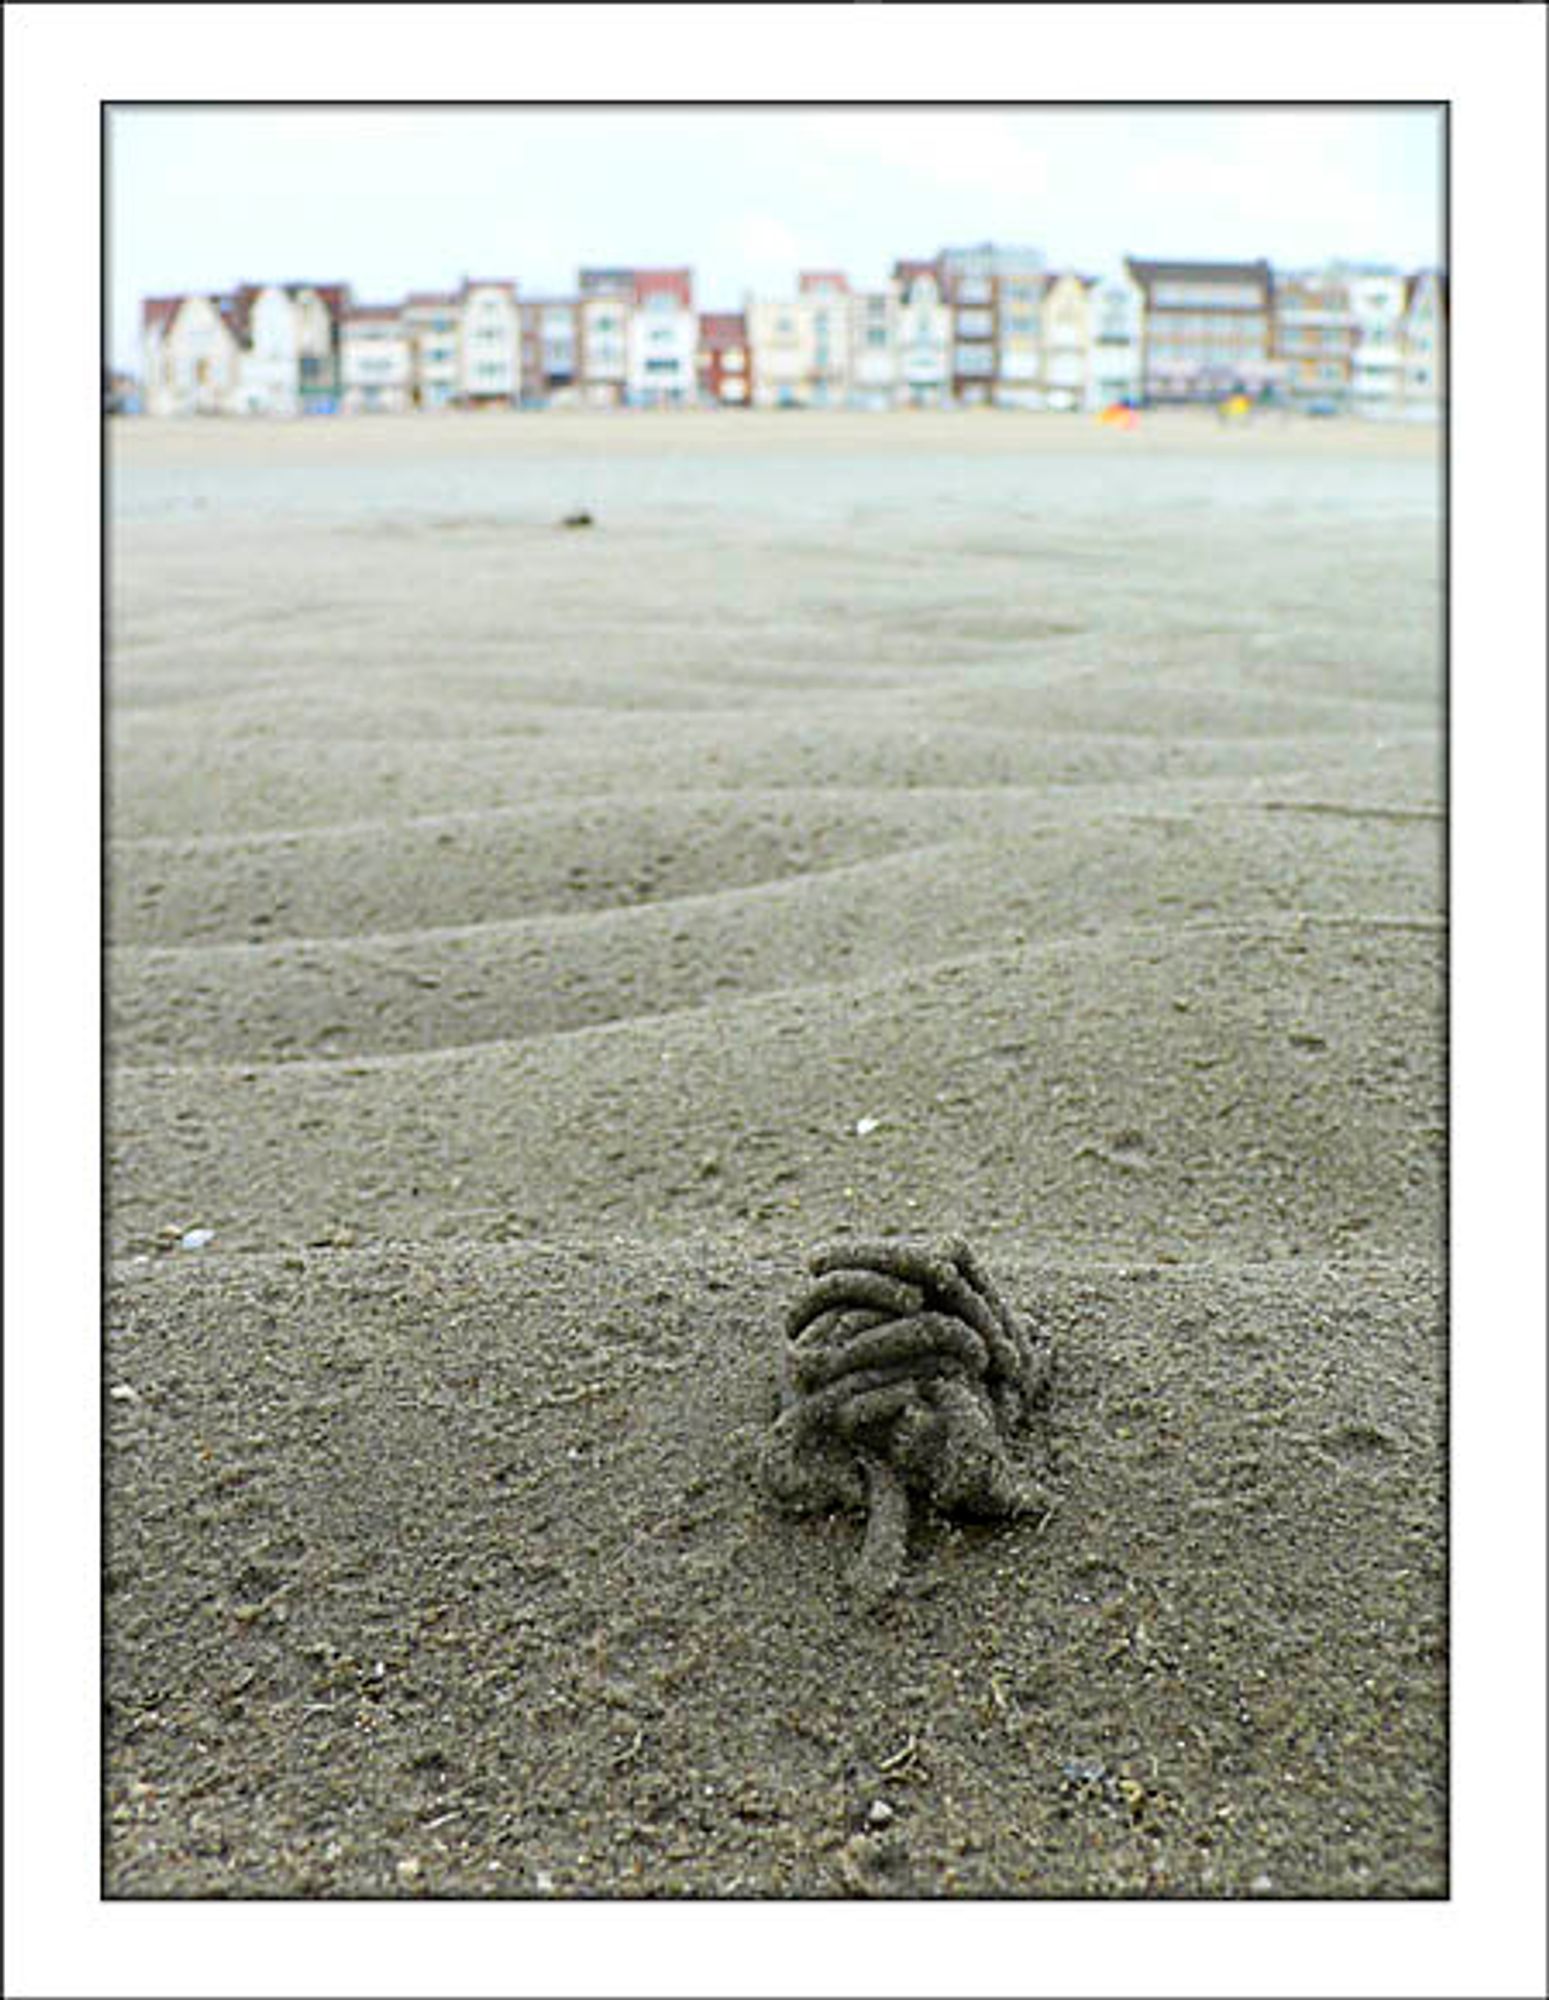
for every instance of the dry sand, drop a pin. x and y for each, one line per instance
(527, 942)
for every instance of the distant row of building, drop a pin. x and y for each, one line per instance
(990, 325)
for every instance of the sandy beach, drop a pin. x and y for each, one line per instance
(526, 942)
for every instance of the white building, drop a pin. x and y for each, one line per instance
(287, 338)
(824, 297)
(924, 335)
(376, 360)
(1115, 307)
(1378, 302)
(873, 350)
(662, 341)
(1066, 343)
(490, 343)
(779, 341)
(192, 357)
(1424, 336)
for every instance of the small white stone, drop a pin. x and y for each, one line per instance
(195, 1239)
(545, 1882)
(122, 1393)
(881, 1813)
(864, 1127)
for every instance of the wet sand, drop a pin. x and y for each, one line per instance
(527, 942)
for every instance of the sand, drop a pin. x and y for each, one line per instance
(526, 943)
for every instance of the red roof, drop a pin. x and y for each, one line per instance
(915, 267)
(158, 312)
(720, 330)
(822, 281)
(679, 283)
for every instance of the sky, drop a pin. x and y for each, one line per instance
(397, 199)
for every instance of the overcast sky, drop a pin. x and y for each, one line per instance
(390, 200)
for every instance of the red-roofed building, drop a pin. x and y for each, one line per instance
(651, 285)
(192, 357)
(723, 358)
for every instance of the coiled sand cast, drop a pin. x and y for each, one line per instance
(906, 1374)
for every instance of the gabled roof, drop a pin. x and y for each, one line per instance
(822, 281)
(159, 312)
(907, 268)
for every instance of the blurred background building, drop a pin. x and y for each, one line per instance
(986, 325)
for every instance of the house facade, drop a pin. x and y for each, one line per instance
(1314, 339)
(1067, 340)
(376, 360)
(193, 357)
(431, 321)
(603, 313)
(1019, 301)
(661, 340)
(824, 298)
(924, 335)
(1378, 300)
(723, 371)
(778, 346)
(1425, 347)
(289, 341)
(1208, 329)
(1116, 312)
(489, 344)
(551, 350)
(874, 383)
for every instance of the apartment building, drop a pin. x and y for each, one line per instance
(376, 360)
(603, 313)
(874, 381)
(1116, 313)
(780, 352)
(968, 285)
(550, 350)
(1019, 299)
(723, 371)
(824, 298)
(1067, 340)
(661, 339)
(1314, 339)
(431, 321)
(490, 343)
(1207, 331)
